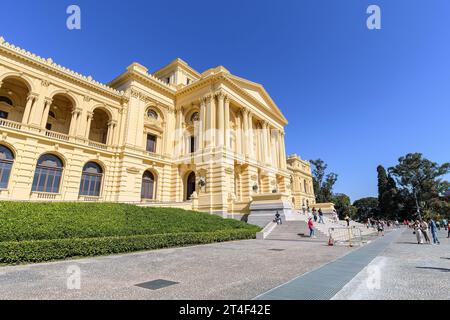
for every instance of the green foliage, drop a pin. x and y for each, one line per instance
(323, 183)
(32, 232)
(420, 185)
(387, 195)
(20, 221)
(343, 206)
(47, 250)
(366, 208)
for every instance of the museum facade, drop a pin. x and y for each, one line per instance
(207, 141)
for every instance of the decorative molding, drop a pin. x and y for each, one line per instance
(50, 64)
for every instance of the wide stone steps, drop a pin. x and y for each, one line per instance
(294, 230)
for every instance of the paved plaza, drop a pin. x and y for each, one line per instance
(248, 269)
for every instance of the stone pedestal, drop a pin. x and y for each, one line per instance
(264, 207)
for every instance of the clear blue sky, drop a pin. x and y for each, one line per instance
(355, 98)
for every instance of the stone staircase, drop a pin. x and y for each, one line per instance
(295, 230)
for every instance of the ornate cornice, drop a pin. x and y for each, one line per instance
(50, 65)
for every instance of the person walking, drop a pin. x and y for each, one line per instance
(448, 229)
(434, 230)
(380, 228)
(347, 219)
(304, 209)
(312, 231)
(321, 217)
(315, 214)
(424, 228)
(418, 232)
(335, 216)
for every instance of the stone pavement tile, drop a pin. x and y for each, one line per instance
(232, 270)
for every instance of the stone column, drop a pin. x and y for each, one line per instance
(239, 135)
(227, 123)
(280, 152)
(263, 143)
(90, 117)
(251, 150)
(220, 119)
(47, 103)
(201, 128)
(110, 136)
(268, 143)
(211, 121)
(283, 152)
(74, 122)
(31, 100)
(245, 139)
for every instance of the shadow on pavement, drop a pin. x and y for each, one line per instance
(433, 268)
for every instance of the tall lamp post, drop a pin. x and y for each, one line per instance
(417, 204)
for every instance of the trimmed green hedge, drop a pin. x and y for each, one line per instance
(22, 221)
(47, 250)
(38, 232)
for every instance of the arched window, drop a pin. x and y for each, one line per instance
(47, 177)
(91, 180)
(6, 100)
(148, 186)
(152, 114)
(195, 117)
(6, 162)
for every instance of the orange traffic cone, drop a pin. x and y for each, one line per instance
(331, 241)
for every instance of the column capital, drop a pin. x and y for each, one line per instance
(32, 96)
(77, 111)
(112, 123)
(221, 95)
(48, 100)
(90, 115)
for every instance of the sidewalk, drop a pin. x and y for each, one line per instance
(325, 282)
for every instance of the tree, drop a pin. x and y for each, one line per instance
(387, 194)
(323, 183)
(343, 206)
(366, 208)
(419, 181)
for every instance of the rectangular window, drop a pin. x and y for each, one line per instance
(192, 144)
(3, 115)
(151, 143)
(48, 126)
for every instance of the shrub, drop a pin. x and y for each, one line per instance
(37, 232)
(47, 250)
(22, 221)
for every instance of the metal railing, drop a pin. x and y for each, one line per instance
(350, 236)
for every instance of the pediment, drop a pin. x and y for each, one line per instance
(257, 92)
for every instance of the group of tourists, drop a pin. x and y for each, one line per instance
(424, 231)
(381, 225)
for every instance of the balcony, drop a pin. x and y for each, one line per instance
(23, 128)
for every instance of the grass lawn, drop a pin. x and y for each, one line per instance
(37, 232)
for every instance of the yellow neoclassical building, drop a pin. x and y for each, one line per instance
(207, 141)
